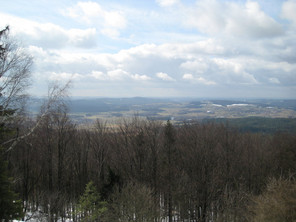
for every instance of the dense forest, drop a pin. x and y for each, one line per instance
(135, 170)
(146, 171)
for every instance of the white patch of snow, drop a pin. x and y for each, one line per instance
(218, 105)
(240, 104)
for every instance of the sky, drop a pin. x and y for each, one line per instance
(159, 48)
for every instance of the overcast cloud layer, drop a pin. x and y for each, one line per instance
(161, 48)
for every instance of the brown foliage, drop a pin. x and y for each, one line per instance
(277, 203)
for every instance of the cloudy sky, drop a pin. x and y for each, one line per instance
(159, 48)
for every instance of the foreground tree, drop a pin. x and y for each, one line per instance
(15, 67)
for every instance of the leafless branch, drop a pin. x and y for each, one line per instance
(55, 98)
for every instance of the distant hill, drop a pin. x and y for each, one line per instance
(257, 111)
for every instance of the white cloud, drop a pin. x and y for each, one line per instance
(166, 3)
(198, 65)
(109, 22)
(85, 10)
(140, 62)
(186, 51)
(98, 75)
(63, 76)
(228, 65)
(200, 80)
(204, 81)
(110, 75)
(49, 35)
(127, 64)
(271, 65)
(231, 18)
(289, 10)
(164, 76)
(188, 76)
(234, 71)
(37, 52)
(112, 33)
(140, 77)
(117, 74)
(82, 38)
(274, 80)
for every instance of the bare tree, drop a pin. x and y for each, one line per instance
(169, 153)
(100, 143)
(15, 73)
(15, 70)
(134, 202)
(55, 101)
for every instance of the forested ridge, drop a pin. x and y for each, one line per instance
(194, 171)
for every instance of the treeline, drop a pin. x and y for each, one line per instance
(145, 170)
(259, 124)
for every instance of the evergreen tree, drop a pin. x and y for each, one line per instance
(10, 206)
(90, 207)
